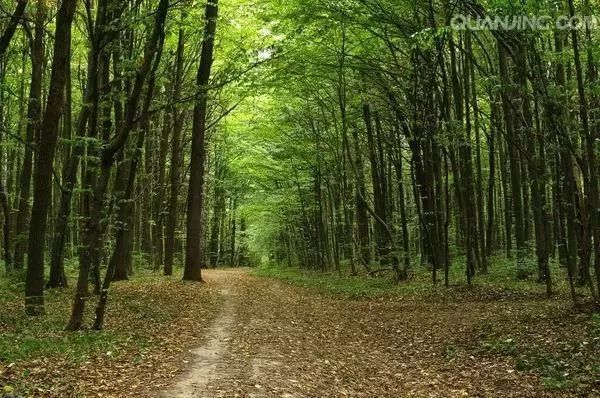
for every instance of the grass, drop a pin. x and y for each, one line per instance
(499, 283)
(350, 286)
(572, 363)
(23, 337)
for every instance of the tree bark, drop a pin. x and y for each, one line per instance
(172, 215)
(32, 130)
(513, 156)
(194, 255)
(11, 27)
(42, 183)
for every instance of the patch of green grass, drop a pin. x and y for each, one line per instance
(556, 372)
(560, 383)
(499, 347)
(567, 366)
(12, 287)
(595, 321)
(74, 346)
(350, 286)
(24, 338)
(500, 283)
(450, 351)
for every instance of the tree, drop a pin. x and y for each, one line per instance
(195, 206)
(93, 230)
(42, 182)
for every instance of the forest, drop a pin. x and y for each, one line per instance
(299, 198)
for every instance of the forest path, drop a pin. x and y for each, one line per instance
(277, 340)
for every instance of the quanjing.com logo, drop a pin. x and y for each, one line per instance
(524, 22)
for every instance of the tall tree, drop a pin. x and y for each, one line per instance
(42, 182)
(93, 228)
(174, 177)
(32, 130)
(194, 255)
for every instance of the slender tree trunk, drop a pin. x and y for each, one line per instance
(216, 231)
(172, 216)
(42, 183)
(232, 244)
(591, 163)
(402, 204)
(11, 27)
(194, 251)
(513, 156)
(33, 125)
(381, 237)
(159, 203)
(58, 278)
(125, 216)
(566, 183)
(466, 173)
(479, 181)
(490, 239)
(363, 249)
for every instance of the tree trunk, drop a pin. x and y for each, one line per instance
(382, 238)
(513, 156)
(172, 216)
(362, 220)
(159, 202)
(11, 27)
(42, 183)
(194, 251)
(32, 131)
(590, 167)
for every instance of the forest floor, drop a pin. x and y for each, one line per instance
(273, 339)
(151, 322)
(242, 335)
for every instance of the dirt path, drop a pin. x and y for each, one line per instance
(207, 359)
(276, 340)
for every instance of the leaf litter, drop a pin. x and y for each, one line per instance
(266, 338)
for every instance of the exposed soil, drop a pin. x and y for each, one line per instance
(207, 361)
